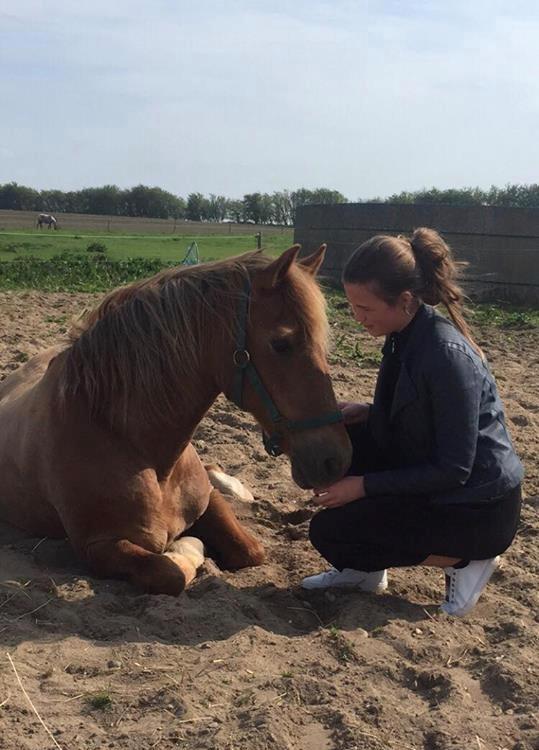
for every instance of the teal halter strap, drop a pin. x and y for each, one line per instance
(245, 368)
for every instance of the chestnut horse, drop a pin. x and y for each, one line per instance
(95, 434)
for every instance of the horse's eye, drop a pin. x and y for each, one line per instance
(281, 345)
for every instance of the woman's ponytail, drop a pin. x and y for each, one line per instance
(439, 273)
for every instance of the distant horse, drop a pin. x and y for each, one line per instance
(95, 434)
(48, 220)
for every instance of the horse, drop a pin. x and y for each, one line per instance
(47, 219)
(95, 432)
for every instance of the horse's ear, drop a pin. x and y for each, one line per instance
(272, 276)
(312, 262)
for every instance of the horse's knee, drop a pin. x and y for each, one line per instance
(256, 552)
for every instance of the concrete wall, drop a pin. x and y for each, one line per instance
(501, 245)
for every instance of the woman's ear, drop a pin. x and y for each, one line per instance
(408, 302)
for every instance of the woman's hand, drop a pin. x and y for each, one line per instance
(341, 493)
(353, 413)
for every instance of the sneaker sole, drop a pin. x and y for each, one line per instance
(382, 586)
(479, 588)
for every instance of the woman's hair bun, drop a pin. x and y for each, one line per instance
(435, 261)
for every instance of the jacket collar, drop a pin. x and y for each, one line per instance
(405, 389)
(408, 341)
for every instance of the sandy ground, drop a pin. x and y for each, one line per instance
(247, 659)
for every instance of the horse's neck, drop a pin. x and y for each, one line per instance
(162, 441)
(160, 418)
(164, 438)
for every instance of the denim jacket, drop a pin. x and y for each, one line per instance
(446, 425)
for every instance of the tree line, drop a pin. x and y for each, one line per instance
(153, 202)
(261, 208)
(514, 196)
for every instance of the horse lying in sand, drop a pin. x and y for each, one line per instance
(95, 434)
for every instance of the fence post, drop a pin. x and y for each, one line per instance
(258, 237)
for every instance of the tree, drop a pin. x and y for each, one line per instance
(235, 211)
(18, 197)
(217, 207)
(153, 202)
(197, 207)
(54, 201)
(304, 197)
(257, 207)
(453, 197)
(108, 200)
(283, 208)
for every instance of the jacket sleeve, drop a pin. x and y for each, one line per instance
(453, 385)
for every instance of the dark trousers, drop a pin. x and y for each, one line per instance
(398, 530)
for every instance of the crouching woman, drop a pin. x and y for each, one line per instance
(435, 479)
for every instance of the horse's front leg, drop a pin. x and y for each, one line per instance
(221, 531)
(167, 573)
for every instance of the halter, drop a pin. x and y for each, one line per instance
(244, 367)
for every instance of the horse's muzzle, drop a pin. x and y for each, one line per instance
(322, 460)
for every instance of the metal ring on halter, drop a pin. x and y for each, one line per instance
(241, 358)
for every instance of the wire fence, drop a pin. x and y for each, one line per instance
(27, 220)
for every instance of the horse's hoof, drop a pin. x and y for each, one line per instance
(228, 485)
(190, 547)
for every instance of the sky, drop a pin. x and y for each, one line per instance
(236, 96)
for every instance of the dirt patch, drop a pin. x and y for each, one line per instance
(249, 660)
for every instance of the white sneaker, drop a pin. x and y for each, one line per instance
(348, 578)
(464, 586)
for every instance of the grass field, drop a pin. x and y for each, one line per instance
(45, 245)
(56, 261)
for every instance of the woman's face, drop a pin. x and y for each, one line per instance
(374, 313)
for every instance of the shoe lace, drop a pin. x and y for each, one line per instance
(450, 586)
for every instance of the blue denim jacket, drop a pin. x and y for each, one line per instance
(446, 425)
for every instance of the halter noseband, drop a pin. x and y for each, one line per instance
(245, 368)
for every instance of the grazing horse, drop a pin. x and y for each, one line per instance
(47, 219)
(95, 435)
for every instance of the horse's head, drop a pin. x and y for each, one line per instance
(286, 346)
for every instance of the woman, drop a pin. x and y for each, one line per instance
(434, 478)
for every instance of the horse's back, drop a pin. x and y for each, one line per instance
(26, 376)
(23, 433)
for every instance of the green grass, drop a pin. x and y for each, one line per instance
(503, 316)
(121, 247)
(76, 273)
(340, 645)
(92, 263)
(99, 701)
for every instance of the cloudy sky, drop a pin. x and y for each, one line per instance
(233, 96)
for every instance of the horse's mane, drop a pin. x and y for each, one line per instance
(151, 332)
